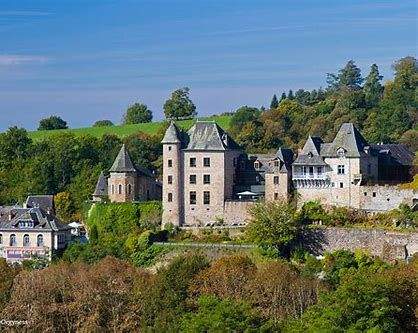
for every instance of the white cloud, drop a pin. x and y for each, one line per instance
(15, 59)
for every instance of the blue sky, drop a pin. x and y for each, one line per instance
(88, 60)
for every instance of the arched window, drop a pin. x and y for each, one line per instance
(12, 240)
(129, 189)
(26, 240)
(40, 240)
(113, 189)
(120, 189)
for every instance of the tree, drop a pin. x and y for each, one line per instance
(179, 105)
(273, 225)
(14, 144)
(137, 113)
(348, 77)
(64, 206)
(372, 88)
(102, 123)
(282, 97)
(216, 315)
(274, 102)
(52, 123)
(290, 95)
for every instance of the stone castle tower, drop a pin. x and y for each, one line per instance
(122, 180)
(172, 176)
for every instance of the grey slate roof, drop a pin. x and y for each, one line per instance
(285, 155)
(171, 134)
(349, 138)
(399, 153)
(45, 202)
(123, 162)
(101, 186)
(309, 160)
(207, 135)
(312, 145)
(42, 220)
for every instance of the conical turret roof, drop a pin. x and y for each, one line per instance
(123, 162)
(171, 134)
(101, 186)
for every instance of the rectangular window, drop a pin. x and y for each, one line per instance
(341, 185)
(206, 179)
(169, 148)
(206, 197)
(365, 194)
(170, 197)
(206, 161)
(304, 170)
(193, 197)
(276, 180)
(276, 196)
(319, 170)
(170, 179)
(170, 163)
(311, 171)
(192, 162)
(341, 170)
(374, 194)
(192, 179)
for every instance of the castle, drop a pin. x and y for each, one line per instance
(208, 178)
(127, 182)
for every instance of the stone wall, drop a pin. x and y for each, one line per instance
(387, 244)
(383, 198)
(236, 212)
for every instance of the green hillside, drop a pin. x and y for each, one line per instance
(126, 130)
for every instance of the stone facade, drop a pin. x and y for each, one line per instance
(126, 182)
(208, 178)
(26, 232)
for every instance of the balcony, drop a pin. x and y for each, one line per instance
(309, 176)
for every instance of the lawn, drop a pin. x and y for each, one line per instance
(126, 130)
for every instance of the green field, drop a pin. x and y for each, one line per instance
(126, 130)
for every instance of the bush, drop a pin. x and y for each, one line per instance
(102, 123)
(52, 123)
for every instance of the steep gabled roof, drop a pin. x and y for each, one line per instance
(40, 218)
(101, 186)
(285, 155)
(312, 145)
(171, 134)
(207, 135)
(45, 202)
(123, 162)
(348, 138)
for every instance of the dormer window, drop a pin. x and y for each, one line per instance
(310, 155)
(276, 163)
(341, 152)
(257, 165)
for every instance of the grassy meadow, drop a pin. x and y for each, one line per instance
(126, 130)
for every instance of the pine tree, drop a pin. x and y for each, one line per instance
(290, 95)
(372, 88)
(283, 96)
(274, 102)
(348, 77)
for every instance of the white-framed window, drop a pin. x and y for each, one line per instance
(192, 162)
(206, 179)
(12, 241)
(40, 240)
(304, 169)
(26, 240)
(311, 171)
(193, 197)
(206, 161)
(206, 197)
(341, 169)
(192, 179)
